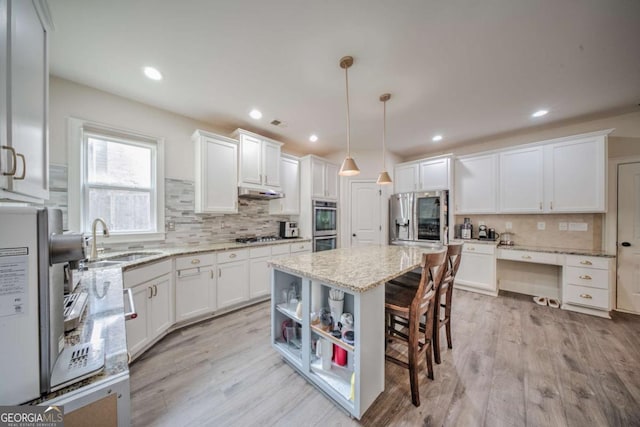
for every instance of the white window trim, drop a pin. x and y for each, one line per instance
(75, 136)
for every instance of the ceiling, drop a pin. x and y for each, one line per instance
(465, 69)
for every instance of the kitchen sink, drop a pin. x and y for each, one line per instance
(102, 264)
(132, 257)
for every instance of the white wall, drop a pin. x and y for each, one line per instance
(68, 99)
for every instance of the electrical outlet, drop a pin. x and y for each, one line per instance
(578, 226)
(562, 226)
(508, 226)
(171, 226)
(542, 225)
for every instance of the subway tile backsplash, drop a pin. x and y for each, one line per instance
(188, 228)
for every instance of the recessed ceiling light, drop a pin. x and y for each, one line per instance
(437, 138)
(313, 138)
(255, 114)
(540, 113)
(152, 73)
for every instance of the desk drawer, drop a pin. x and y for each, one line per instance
(262, 251)
(280, 250)
(589, 297)
(478, 248)
(591, 277)
(588, 261)
(231, 256)
(300, 247)
(530, 256)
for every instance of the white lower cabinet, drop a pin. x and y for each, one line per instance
(259, 283)
(233, 278)
(153, 299)
(477, 270)
(195, 286)
(588, 284)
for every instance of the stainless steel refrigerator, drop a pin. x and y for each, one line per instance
(419, 218)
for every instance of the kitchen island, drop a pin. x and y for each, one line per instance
(360, 274)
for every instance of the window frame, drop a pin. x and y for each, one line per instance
(79, 132)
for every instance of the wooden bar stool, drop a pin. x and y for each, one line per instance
(404, 306)
(411, 280)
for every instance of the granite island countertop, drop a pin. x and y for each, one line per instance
(357, 269)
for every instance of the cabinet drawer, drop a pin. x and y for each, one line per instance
(192, 261)
(530, 256)
(260, 252)
(591, 277)
(478, 248)
(231, 256)
(280, 249)
(590, 297)
(300, 247)
(587, 261)
(146, 273)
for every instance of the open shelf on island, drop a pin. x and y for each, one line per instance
(338, 378)
(293, 352)
(331, 338)
(284, 309)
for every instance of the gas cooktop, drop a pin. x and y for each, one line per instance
(255, 239)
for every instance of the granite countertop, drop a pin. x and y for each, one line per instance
(482, 241)
(102, 319)
(568, 251)
(159, 254)
(357, 269)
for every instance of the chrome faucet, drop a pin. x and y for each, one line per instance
(105, 233)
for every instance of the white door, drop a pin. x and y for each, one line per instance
(161, 305)
(290, 172)
(250, 160)
(629, 237)
(331, 183)
(475, 184)
(366, 206)
(192, 292)
(271, 164)
(434, 175)
(406, 178)
(259, 277)
(318, 179)
(521, 180)
(220, 177)
(233, 283)
(138, 328)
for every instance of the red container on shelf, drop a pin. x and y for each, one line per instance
(339, 355)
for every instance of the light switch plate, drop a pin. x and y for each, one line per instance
(542, 225)
(562, 226)
(508, 226)
(578, 226)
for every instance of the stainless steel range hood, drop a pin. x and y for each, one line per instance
(259, 194)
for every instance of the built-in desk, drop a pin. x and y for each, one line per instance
(583, 280)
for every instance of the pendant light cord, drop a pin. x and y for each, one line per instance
(384, 134)
(346, 79)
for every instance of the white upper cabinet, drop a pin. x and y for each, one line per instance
(324, 179)
(434, 174)
(24, 152)
(521, 180)
(476, 184)
(259, 163)
(575, 175)
(423, 175)
(406, 178)
(290, 177)
(216, 173)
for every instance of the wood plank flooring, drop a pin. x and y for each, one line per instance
(513, 363)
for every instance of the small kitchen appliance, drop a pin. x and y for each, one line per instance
(288, 229)
(483, 232)
(467, 229)
(33, 251)
(506, 238)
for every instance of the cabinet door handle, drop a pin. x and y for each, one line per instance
(551, 205)
(211, 273)
(260, 177)
(471, 249)
(13, 161)
(232, 255)
(526, 257)
(155, 290)
(266, 179)
(195, 261)
(585, 277)
(586, 296)
(150, 292)
(540, 205)
(24, 167)
(219, 272)
(586, 263)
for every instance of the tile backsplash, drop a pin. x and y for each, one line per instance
(189, 229)
(525, 229)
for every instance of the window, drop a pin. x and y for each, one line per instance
(119, 175)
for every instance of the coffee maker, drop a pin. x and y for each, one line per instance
(33, 252)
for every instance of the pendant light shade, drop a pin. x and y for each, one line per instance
(384, 177)
(349, 167)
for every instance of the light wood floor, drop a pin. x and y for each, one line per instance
(513, 363)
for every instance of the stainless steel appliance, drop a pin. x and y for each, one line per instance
(325, 225)
(288, 229)
(419, 217)
(259, 193)
(33, 251)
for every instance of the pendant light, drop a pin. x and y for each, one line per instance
(349, 167)
(384, 177)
